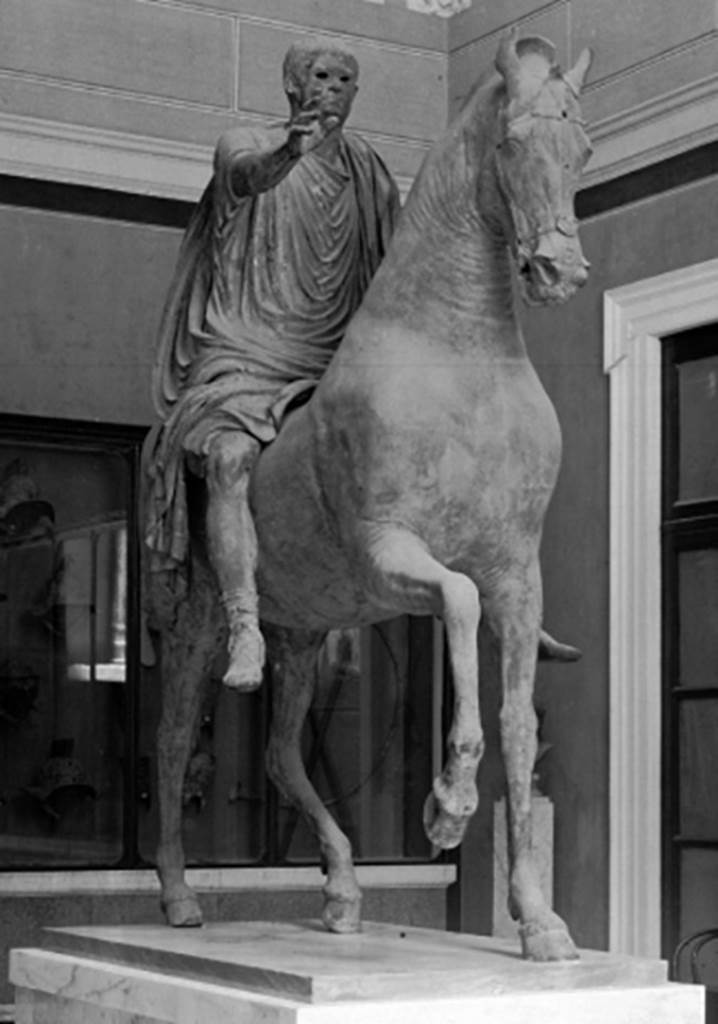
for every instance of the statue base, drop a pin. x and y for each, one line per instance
(297, 973)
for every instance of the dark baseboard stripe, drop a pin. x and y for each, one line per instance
(93, 202)
(683, 169)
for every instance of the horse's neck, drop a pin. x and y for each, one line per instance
(446, 261)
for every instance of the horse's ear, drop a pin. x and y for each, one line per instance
(577, 75)
(525, 64)
(507, 61)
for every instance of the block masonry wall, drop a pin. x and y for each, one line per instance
(182, 73)
(159, 74)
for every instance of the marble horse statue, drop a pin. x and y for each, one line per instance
(416, 480)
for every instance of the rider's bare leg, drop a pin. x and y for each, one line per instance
(232, 548)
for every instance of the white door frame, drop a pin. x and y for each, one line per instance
(635, 318)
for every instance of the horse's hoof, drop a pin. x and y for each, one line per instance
(443, 829)
(341, 916)
(182, 912)
(544, 945)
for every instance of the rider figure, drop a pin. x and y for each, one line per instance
(274, 263)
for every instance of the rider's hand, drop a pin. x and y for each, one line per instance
(308, 129)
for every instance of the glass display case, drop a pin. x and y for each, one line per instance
(80, 691)
(63, 667)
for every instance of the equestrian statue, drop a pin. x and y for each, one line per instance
(413, 448)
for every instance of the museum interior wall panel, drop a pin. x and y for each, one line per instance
(79, 312)
(48, 102)
(389, 20)
(155, 71)
(624, 36)
(633, 242)
(146, 49)
(670, 72)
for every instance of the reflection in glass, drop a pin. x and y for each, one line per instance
(698, 429)
(699, 890)
(698, 615)
(63, 560)
(698, 726)
(367, 747)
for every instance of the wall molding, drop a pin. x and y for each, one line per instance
(79, 154)
(653, 131)
(636, 316)
(101, 158)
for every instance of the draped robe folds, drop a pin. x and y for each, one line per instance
(263, 290)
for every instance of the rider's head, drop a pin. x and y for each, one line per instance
(320, 74)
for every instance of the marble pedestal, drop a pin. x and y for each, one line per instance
(274, 973)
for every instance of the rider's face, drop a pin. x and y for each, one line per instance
(331, 86)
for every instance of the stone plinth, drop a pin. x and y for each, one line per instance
(273, 973)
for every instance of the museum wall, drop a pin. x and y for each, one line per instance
(675, 229)
(645, 53)
(184, 73)
(80, 299)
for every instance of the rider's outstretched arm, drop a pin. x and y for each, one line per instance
(252, 171)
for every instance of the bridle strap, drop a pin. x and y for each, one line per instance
(564, 224)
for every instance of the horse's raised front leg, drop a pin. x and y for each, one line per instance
(292, 656)
(514, 615)
(188, 649)
(404, 575)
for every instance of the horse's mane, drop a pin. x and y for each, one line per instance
(453, 159)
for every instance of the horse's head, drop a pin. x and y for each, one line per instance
(541, 150)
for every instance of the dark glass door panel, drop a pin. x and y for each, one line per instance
(698, 768)
(698, 429)
(698, 617)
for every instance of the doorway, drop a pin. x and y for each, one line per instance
(689, 532)
(636, 317)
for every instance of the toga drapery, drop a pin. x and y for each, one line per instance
(263, 290)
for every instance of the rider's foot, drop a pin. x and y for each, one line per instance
(246, 652)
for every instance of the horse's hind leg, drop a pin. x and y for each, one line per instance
(404, 575)
(514, 614)
(292, 656)
(188, 649)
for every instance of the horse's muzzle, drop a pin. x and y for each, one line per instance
(555, 271)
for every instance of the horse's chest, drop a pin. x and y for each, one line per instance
(442, 453)
(471, 440)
